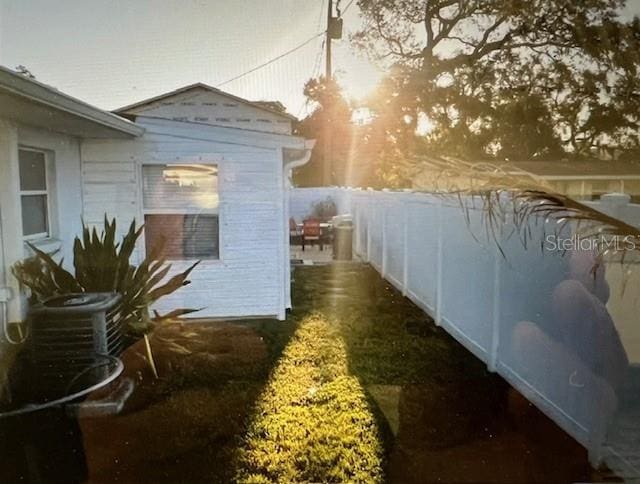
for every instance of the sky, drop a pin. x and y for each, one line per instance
(111, 53)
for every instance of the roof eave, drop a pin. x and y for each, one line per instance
(37, 92)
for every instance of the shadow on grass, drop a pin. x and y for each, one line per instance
(357, 377)
(185, 425)
(444, 416)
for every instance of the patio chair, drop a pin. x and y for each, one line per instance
(295, 234)
(311, 232)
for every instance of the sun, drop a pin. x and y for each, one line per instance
(358, 77)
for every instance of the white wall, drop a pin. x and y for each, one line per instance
(65, 218)
(503, 308)
(203, 106)
(248, 280)
(63, 154)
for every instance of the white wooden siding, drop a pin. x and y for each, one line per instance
(248, 279)
(203, 106)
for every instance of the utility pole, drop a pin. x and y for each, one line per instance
(327, 160)
(328, 70)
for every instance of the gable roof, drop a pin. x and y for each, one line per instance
(269, 106)
(34, 103)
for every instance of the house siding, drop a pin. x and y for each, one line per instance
(203, 106)
(65, 201)
(248, 278)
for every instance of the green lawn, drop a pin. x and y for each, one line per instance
(358, 385)
(355, 343)
(312, 423)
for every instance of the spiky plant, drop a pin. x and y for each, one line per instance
(103, 265)
(505, 193)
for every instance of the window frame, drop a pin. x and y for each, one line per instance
(183, 211)
(47, 193)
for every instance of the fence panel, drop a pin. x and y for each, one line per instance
(422, 251)
(376, 229)
(394, 241)
(538, 315)
(467, 278)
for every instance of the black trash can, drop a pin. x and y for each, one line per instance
(343, 240)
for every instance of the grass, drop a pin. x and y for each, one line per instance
(389, 340)
(319, 417)
(305, 400)
(313, 422)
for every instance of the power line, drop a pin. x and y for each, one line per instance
(291, 51)
(314, 74)
(321, 16)
(347, 7)
(318, 61)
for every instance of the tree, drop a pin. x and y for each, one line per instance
(508, 78)
(331, 115)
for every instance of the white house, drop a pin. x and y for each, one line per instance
(207, 170)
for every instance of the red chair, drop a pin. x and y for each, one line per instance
(311, 232)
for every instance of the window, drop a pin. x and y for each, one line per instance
(180, 205)
(201, 119)
(34, 194)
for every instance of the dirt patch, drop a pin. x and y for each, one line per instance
(181, 426)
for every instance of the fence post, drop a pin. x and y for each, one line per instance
(439, 266)
(369, 218)
(384, 240)
(357, 222)
(492, 361)
(405, 244)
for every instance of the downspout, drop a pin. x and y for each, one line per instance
(288, 170)
(6, 294)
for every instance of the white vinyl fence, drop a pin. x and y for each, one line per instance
(535, 315)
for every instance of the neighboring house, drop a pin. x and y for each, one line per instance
(581, 180)
(215, 189)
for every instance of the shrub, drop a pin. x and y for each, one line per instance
(103, 265)
(325, 210)
(312, 422)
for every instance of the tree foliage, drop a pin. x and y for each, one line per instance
(331, 116)
(516, 79)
